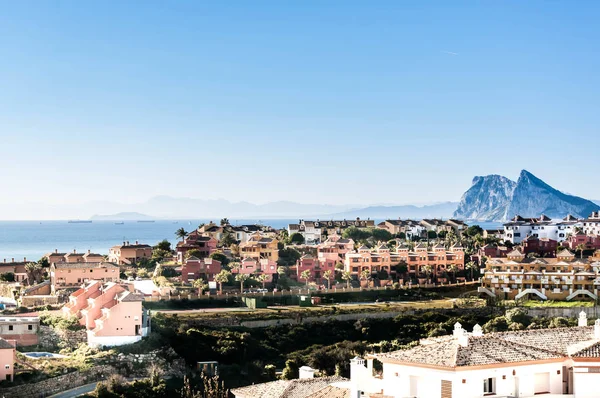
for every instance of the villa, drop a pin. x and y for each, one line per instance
(528, 363)
(127, 254)
(519, 228)
(260, 247)
(195, 241)
(65, 275)
(73, 257)
(15, 267)
(195, 268)
(111, 313)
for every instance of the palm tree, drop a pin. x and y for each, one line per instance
(222, 277)
(281, 271)
(471, 266)
(224, 222)
(241, 278)
(452, 268)
(428, 270)
(236, 266)
(200, 284)
(181, 233)
(327, 275)
(401, 269)
(580, 247)
(347, 276)
(365, 274)
(34, 272)
(306, 276)
(262, 278)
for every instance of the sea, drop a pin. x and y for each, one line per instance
(33, 239)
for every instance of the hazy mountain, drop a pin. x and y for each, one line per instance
(487, 199)
(443, 210)
(496, 198)
(128, 216)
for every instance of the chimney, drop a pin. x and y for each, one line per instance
(24, 259)
(458, 330)
(123, 243)
(89, 251)
(55, 250)
(582, 321)
(12, 260)
(74, 251)
(597, 329)
(136, 242)
(4, 260)
(477, 331)
(127, 243)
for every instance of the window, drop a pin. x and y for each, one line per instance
(489, 385)
(29, 327)
(6, 366)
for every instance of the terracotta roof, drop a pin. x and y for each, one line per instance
(85, 265)
(5, 344)
(331, 391)
(299, 388)
(498, 348)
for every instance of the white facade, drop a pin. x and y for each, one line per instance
(558, 231)
(591, 225)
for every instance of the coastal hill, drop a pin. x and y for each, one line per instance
(496, 198)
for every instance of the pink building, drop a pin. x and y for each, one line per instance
(8, 357)
(64, 275)
(256, 266)
(195, 268)
(74, 257)
(196, 241)
(590, 242)
(316, 267)
(111, 314)
(334, 248)
(15, 267)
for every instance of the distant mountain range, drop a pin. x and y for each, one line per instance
(496, 198)
(441, 210)
(128, 216)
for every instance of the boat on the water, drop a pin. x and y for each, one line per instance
(119, 223)
(79, 221)
(145, 220)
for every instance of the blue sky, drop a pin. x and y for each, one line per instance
(309, 101)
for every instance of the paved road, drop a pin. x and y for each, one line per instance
(75, 392)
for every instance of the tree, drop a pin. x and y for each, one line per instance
(160, 254)
(365, 275)
(199, 254)
(356, 234)
(580, 248)
(201, 285)
(262, 278)
(382, 274)
(427, 269)
(224, 222)
(235, 265)
(281, 271)
(222, 277)
(452, 268)
(347, 276)
(382, 235)
(474, 230)
(401, 269)
(7, 277)
(442, 234)
(296, 238)
(34, 272)
(306, 276)
(431, 235)
(401, 235)
(288, 256)
(241, 278)
(220, 257)
(327, 275)
(227, 239)
(471, 266)
(181, 233)
(163, 245)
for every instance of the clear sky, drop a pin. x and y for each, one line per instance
(309, 101)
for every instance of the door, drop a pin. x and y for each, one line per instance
(414, 386)
(8, 377)
(137, 330)
(542, 383)
(516, 393)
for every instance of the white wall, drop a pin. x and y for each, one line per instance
(111, 341)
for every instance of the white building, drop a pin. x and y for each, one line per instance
(556, 362)
(591, 225)
(519, 228)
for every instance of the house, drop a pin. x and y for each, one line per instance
(22, 329)
(493, 233)
(73, 257)
(527, 363)
(65, 275)
(260, 247)
(128, 254)
(589, 242)
(196, 241)
(111, 314)
(564, 277)
(307, 386)
(257, 266)
(15, 267)
(438, 225)
(410, 228)
(591, 225)
(8, 357)
(194, 268)
(377, 262)
(519, 228)
(316, 268)
(317, 231)
(543, 247)
(334, 248)
(429, 263)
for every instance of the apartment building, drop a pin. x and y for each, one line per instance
(374, 261)
(65, 275)
(194, 268)
(564, 277)
(438, 225)
(547, 362)
(128, 254)
(589, 242)
(257, 266)
(315, 232)
(196, 241)
(591, 225)
(334, 248)
(410, 228)
(430, 263)
(73, 257)
(259, 247)
(21, 329)
(519, 228)
(17, 268)
(111, 314)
